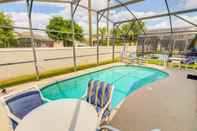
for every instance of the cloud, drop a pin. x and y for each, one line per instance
(40, 19)
(96, 4)
(190, 3)
(125, 15)
(159, 25)
(176, 23)
(181, 23)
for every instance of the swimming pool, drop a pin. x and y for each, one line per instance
(126, 79)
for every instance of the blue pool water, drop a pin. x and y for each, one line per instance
(126, 79)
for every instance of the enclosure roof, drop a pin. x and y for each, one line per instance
(6, 1)
(155, 14)
(113, 3)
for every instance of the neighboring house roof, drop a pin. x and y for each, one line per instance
(36, 36)
(161, 30)
(160, 33)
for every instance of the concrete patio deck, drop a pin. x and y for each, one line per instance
(169, 105)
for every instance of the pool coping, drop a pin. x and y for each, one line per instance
(54, 79)
(93, 71)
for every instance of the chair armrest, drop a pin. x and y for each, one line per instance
(106, 106)
(15, 118)
(109, 127)
(103, 110)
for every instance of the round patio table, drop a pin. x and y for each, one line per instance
(61, 115)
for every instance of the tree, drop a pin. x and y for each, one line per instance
(132, 30)
(129, 30)
(62, 30)
(117, 34)
(6, 34)
(102, 33)
(116, 31)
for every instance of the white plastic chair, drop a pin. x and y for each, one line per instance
(19, 104)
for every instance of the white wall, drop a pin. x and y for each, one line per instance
(44, 54)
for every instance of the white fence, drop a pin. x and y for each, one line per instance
(16, 62)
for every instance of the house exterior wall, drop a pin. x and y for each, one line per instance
(26, 42)
(16, 62)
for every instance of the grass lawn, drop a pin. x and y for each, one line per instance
(173, 65)
(46, 74)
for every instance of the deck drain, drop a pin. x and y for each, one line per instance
(150, 88)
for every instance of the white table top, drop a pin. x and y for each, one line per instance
(61, 115)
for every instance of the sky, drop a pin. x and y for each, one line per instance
(43, 12)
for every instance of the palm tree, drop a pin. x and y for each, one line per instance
(103, 32)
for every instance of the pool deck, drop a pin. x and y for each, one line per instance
(169, 104)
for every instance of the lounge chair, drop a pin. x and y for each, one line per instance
(99, 94)
(127, 56)
(20, 104)
(190, 60)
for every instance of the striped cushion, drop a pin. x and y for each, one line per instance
(99, 93)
